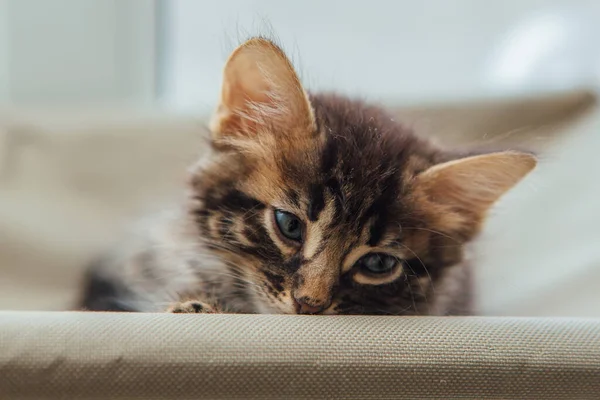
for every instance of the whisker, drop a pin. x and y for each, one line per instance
(388, 312)
(422, 264)
(426, 271)
(433, 231)
(242, 217)
(412, 295)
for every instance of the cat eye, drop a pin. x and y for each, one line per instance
(289, 225)
(377, 263)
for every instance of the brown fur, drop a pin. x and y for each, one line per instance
(359, 183)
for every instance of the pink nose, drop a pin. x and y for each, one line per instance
(303, 307)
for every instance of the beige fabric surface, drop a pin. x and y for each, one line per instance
(153, 356)
(71, 181)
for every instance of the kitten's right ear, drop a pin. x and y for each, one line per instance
(474, 184)
(261, 93)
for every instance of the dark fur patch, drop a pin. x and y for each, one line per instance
(316, 201)
(333, 185)
(293, 197)
(380, 210)
(101, 293)
(275, 280)
(417, 267)
(239, 201)
(293, 263)
(329, 156)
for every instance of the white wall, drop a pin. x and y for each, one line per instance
(77, 51)
(391, 49)
(104, 51)
(4, 77)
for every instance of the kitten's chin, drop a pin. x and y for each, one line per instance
(263, 308)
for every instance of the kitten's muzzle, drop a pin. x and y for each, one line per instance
(304, 306)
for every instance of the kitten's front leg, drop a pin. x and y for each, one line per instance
(193, 307)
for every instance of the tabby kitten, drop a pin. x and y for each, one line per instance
(310, 203)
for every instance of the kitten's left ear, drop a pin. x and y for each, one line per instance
(261, 93)
(474, 184)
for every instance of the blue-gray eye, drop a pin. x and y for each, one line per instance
(289, 225)
(377, 263)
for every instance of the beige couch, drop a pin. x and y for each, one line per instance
(167, 356)
(71, 181)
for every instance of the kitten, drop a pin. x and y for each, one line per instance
(310, 203)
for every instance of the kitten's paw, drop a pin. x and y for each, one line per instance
(192, 307)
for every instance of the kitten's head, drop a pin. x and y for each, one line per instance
(324, 204)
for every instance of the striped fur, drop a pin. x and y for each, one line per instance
(357, 180)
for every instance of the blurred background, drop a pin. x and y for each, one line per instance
(146, 51)
(102, 102)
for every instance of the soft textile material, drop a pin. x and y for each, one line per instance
(165, 356)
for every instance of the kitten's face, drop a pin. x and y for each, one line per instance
(325, 205)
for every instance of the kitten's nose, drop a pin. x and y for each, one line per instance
(303, 307)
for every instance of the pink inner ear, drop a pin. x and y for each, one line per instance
(239, 94)
(244, 81)
(476, 183)
(261, 90)
(245, 89)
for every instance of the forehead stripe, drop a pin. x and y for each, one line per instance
(376, 231)
(333, 185)
(316, 201)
